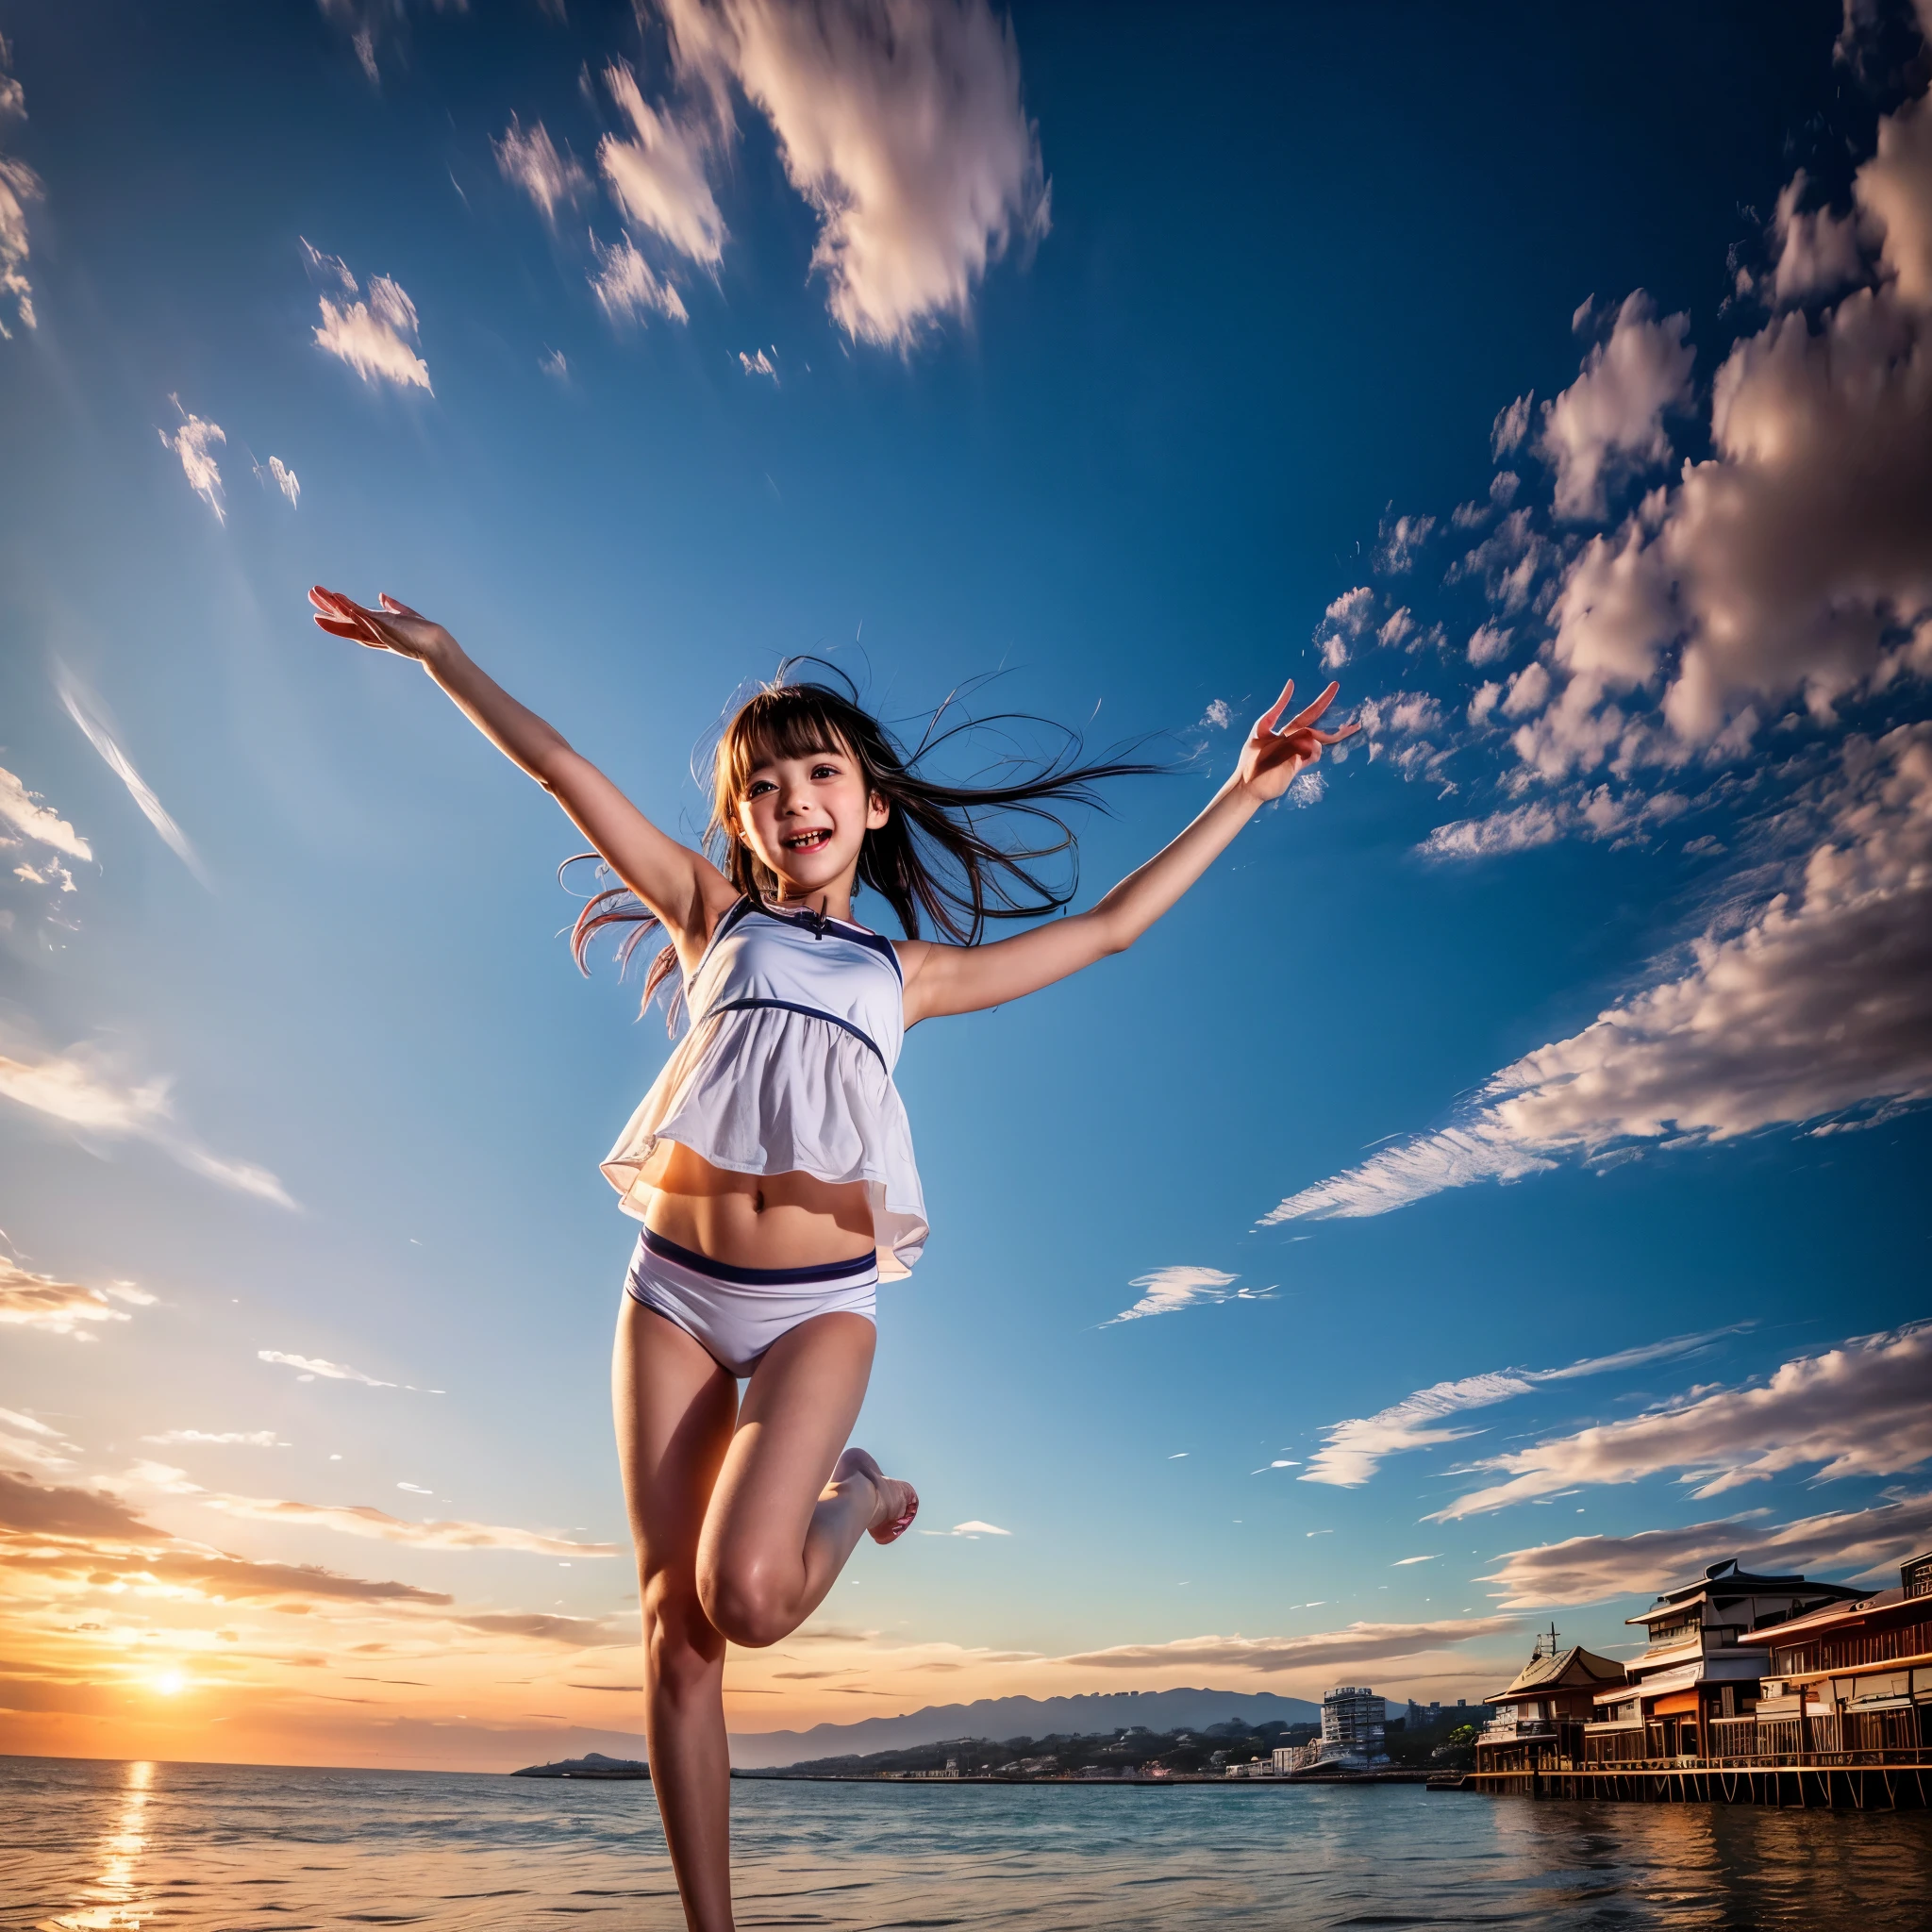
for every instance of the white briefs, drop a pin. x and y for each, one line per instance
(736, 1313)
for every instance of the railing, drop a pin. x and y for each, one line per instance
(1847, 1652)
(1502, 1730)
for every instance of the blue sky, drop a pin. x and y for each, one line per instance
(1559, 384)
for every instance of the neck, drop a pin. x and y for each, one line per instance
(829, 902)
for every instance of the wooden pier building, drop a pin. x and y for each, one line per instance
(1753, 1689)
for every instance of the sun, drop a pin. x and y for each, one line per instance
(170, 1683)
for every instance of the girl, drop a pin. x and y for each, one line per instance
(771, 1163)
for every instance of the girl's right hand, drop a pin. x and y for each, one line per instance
(395, 628)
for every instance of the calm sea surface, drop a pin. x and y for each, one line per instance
(104, 1845)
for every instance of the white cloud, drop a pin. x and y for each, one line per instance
(657, 178)
(1353, 1451)
(360, 1520)
(1856, 1409)
(1817, 1002)
(19, 185)
(312, 1366)
(60, 1307)
(1511, 426)
(1342, 624)
(1796, 559)
(1170, 1290)
(973, 1528)
(1356, 1643)
(1218, 716)
(1487, 642)
(628, 289)
(1817, 253)
(1590, 1569)
(900, 121)
(1398, 629)
(1403, 1562)
(193, 443)
(26, 813)
(27, 1438)
(281, 477)
(1518, 829)
(553, 364)
(251, 1438)
(530, 162)
(86, 713)
(80, 1092)
(1399, 540)
(1509, 560)
(377, 337)
(760, 364)
(1610, 419)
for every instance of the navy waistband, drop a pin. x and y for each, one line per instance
(667, 1250)
(810, 1013)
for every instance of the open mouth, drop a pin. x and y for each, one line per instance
(807, 841)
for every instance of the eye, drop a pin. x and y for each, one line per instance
(823, 771)
(759, 787)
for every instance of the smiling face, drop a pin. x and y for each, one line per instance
(806, 818)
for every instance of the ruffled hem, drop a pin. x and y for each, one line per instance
(739, 1095)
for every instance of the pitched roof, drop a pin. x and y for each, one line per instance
(1729, 1579)
(1574, 1668)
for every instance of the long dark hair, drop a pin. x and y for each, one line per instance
(931, 858)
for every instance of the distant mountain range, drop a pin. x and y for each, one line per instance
(1016, 1717)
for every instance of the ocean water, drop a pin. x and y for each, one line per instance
(105, 1846)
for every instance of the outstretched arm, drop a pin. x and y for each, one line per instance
(962, 979)
(680, 885)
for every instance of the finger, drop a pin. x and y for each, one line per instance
(398, 607)
(1311, 712)
(336, 627)
(1275, 709)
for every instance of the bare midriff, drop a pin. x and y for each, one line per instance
(758, 1220)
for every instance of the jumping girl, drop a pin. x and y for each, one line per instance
(771, 1163)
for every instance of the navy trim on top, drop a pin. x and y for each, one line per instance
(669, 1250)
(807, 921)
(752, 999)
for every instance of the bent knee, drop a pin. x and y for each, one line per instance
(751, 1605)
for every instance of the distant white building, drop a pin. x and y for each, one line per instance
(1354, 1720)
(1292, 1757)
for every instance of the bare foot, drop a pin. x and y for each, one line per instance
(897, 1503)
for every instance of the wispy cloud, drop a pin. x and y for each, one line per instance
(1819, 1003)
(61, 1308)
(79, 1092)
(626, 287)
(971, 1528)
(377, 337)
(311, 1366)
(19, 185)
(903, 129)
(530, 162)
(279, 476)
(1353, 1451)
(1590, 1569)
(251, 1438)
(27, 1438)
(658, 177)
(1856, 1409)
(85, 710)
(28, 815)
(193, 443)
(1356, 1643)
(1170, 1290)
(76, 1538)
(360, 1518)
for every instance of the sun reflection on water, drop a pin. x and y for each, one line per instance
(113, 1901)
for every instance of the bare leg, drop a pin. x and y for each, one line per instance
(674, 1410)
(782, 1520)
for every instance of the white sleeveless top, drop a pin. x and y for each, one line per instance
(796, 1025)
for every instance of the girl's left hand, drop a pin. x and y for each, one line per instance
(1276, 755)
